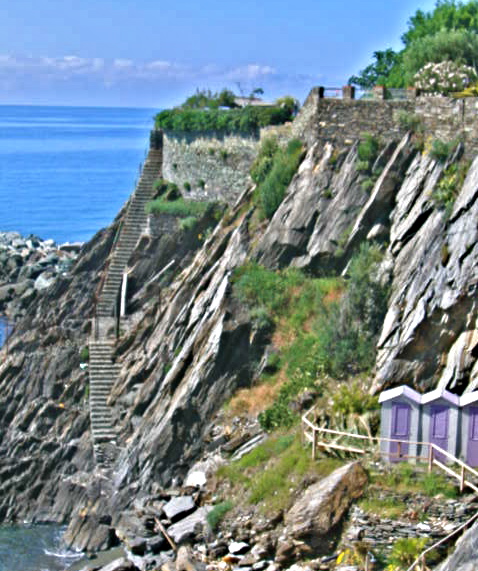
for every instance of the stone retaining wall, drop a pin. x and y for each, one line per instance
(208, 166)
(211, 166)
(342, 121)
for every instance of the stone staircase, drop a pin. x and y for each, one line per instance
(103, 373)
(102, 369)
(128, 235)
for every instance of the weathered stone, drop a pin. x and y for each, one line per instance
(189, 527)
(179, 507)
(238, 547)
(184, 560)
(314, 516)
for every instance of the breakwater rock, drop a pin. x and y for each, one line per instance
(29, 265)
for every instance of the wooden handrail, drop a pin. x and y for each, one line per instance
(433, 449)
(421, 557)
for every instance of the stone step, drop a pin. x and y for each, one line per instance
(102, 422)
(103, 436)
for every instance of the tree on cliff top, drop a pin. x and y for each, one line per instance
(206, 99)
(448, 33)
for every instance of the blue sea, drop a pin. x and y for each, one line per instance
(34, 548)
(66, 171)
(64, 174)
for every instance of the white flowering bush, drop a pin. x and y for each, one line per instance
(445, 77)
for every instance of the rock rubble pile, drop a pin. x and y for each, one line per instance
(27, 266)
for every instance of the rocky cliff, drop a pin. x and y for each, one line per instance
(188, 344)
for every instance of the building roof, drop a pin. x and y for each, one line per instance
(469, 398)
(403, 390)
(440, 394)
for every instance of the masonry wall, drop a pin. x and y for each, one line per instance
(342, 121)
(214, 167)
(209, 166)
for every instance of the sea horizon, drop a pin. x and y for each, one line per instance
(65, 171)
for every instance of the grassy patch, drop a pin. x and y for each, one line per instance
(387, 507)
(216, 515)
(179, 207)
(267, 474)
(322, 326)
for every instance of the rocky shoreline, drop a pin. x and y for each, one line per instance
(29, 265)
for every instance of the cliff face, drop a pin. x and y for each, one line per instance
(188, 345)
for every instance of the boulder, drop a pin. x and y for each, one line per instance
(316, 514)
(189, 526)
(465, 556)
(180, 507)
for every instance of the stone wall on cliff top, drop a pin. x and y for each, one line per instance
(343, 121)
(211, 166)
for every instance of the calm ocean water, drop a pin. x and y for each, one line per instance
(33, 548)
(64, 174)
(66, 171)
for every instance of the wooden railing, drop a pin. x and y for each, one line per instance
(433, 457)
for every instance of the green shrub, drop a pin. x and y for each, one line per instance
(188, 223)
(261, 318)
(187, 186)
(272, 188)
(351, 399)
(368, 148)
(224, 154)
(367, 185)
(216, 515)
(201, 183)
(264, 160)
(84, 354)
(363, 166)
(280, 415)
(410, 122)
(405, 551)
(448, 187)
(440, 150)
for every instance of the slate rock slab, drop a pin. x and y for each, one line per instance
(321, 507)
(188, 527)
(178, 508)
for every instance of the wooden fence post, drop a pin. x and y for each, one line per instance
(430, 457)
(314, 443)
(462, 480)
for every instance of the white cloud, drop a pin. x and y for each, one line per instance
(119, 69)
(123, 63)
(251, 72)
(66, 77)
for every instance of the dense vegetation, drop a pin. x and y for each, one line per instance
(272, 171)
(331, 326)
(448, 33)
(245, 120)
(169, 200)
(207, 111)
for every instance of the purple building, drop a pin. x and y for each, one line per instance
(469, 428)
(440, 422)
(401, 422)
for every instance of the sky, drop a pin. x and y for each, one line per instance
(153, 53)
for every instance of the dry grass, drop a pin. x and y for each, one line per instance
(256, 399)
